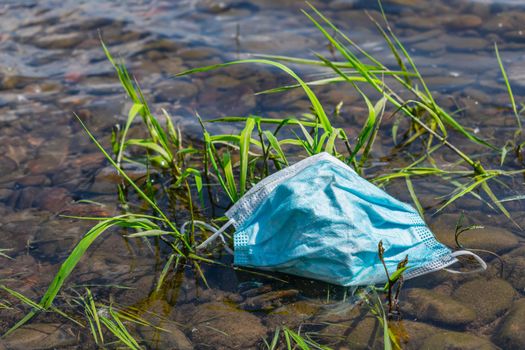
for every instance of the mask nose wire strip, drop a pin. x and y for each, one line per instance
(213, 237)
(482, 263)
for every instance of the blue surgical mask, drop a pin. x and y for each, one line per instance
(319, 219)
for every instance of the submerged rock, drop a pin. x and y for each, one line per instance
(362, 332)
(268, 300)
(491, 238)
(416, 333)
(352, 326)
(459, 43)
(170, 336)
(54, 199)
(59, 41)
(511, 334)
(197, 53)
(220, 325)
(7, 165)
(448, 340)
(431, 306)
(222, 81)
(466, 21)
(40, 336)
(489, 298)
(417, 22)
(292, 315)
(176, 90)
(445, 82)
(514, 268)
(366, 334)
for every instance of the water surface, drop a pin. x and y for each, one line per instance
(52, 66)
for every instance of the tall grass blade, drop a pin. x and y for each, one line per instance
(133, 112)
(244, 145)
(165, 271)
(274, 143)
(509, 88)
(412, 192)
(231, 187)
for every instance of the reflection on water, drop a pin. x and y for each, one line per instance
(51, 65)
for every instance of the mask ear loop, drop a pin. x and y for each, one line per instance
(482, 263)
(213, 237)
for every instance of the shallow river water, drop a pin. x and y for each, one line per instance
(52, 66)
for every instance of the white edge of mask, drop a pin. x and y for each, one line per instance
(245, 206)
(434, 266)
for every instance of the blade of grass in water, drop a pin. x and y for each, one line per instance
(244, 145)
(91, 313)
(165, 271)
(276, 146)
(115, 325)
(133, 112)
(228, 174)
(412, 192)
(466, 189)
(509, 88)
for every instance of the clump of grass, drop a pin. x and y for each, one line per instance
(231, 164)
(101, 317)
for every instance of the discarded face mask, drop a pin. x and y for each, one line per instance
(319, 219)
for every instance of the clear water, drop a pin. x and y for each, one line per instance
(52, 65)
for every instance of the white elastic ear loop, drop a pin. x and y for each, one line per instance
(482, 263)
(213, 237)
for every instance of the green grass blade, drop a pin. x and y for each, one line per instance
(309, 140)
(231, 187)
(133, 112)
(478, 180)
(149, 233)
(319, 82)
(410, 188)
(211, 154)
(165, 271)
(152, 146)
(330, 143)
(115, 326)
(274, 143)
(495, 200)
(366, 131)
(244, 145)
(93, 311)
(298, 340)
(509, 88)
